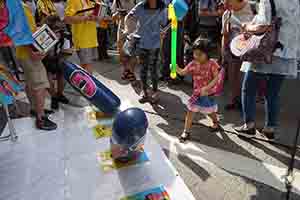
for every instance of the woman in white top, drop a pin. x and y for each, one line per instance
(284, 65)
(238, 12)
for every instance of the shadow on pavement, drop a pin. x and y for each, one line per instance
(171, 105)
(264, 191)
(201, 172)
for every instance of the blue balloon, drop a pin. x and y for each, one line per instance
(130, 128)
(181, 8)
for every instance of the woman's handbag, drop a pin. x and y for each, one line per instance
(257, 48)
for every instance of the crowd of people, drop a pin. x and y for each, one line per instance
(144, 39)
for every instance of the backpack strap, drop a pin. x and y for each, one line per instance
(273, 8)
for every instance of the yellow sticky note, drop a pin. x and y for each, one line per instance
(107, 163)
(95, 115)
(101, 131)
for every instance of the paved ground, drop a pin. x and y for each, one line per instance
(218, 166)
(222, 165)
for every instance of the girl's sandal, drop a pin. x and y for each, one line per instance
(131, 77)
(125, 75)
(145, 99)
(184, 137)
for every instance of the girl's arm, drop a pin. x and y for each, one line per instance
(215, 70)
(213, 82)
(182, 72)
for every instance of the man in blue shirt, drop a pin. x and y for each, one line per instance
(150, 16)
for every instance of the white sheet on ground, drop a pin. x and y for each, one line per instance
(62, 165)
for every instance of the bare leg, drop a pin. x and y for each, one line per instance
(51, 90)
(60, 84)
(187, 127)
(188, 121)
(215, 120)
(39, 98)
(131, 64)
(30, 97)
(87, 67)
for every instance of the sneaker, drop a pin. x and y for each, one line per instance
(62, 99)
(46, 111)
(54, 103)
(246, 131)
(45, 124)
(269, 133)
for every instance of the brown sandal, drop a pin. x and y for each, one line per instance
(125, 75)
(131, 77)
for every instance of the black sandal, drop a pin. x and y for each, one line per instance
(183, 139)
(131, 77)
(125, 75)
(145, 99)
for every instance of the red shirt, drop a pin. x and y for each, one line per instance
(202, 74)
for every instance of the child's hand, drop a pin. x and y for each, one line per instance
(179, 70)
(204, 91)
(163, 34)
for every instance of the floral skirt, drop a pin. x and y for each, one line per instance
(203, 104)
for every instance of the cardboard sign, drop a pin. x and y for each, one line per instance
(101, 131)
(44, 39)
(101, 10)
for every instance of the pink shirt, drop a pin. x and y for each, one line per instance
(202, 74)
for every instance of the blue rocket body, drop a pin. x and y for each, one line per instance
(91, 88)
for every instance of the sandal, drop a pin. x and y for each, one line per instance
(125, 75)
(184, 137)
(131, 77)
(144, 99)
